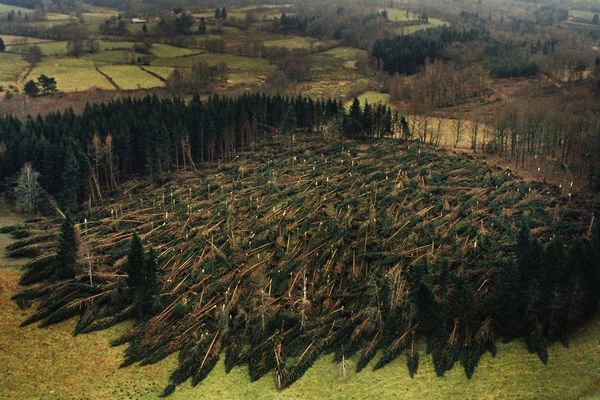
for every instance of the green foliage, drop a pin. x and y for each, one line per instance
(67, 247)
(31, 88)
(512, 68)
(142, 280)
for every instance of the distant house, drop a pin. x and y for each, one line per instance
(138, 21)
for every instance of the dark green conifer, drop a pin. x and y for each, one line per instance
(66, 252)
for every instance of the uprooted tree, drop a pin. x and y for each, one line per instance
(280, 256)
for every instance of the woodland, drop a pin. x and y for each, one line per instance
(265, 185)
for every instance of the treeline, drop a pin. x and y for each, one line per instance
(558, 136)
(368, 121)
(353, 26)
(512, 68)
(406, 54)
(82, 157)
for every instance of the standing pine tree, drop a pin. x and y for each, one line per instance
(354, 127)
(150, 285)
(141, 277)
(135, 262)
(66, 252)
(70, 182)
(289, 121)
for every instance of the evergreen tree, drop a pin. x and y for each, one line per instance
(224, 13)
(355, 118)
(142, 279)
(47, 84)
(135, 262)
(66, 252)
(289, 121)
(31, 88)
(70, 181)
(202, 26)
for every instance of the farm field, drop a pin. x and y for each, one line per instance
(130, 77)
(334, 70)
(72, 74)
(11, 66)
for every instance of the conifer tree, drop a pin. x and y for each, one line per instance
(66, 252)
(70, 181)
(289, 121)
(355, 116)
(135, 262)
(31, 88)
(142, 281)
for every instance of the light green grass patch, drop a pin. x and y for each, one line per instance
(12, 39)
(582, 14)
(131, 77)
(294, 42)
(163, 72)
(250, 65)
(409, 30)
(167, 51)
(11, 66)
(54, 48)
(72, 74)
(395, 14)
(115, 45)
(372, 97)
(49, 48)
(113, 57)
(343, 53)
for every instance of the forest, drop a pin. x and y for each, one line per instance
(223, 186)
(95, 151)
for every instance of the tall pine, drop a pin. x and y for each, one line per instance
(66, 252)
(141, 277)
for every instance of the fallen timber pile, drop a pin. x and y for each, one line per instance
(284, 255)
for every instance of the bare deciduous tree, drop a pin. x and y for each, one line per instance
(28, 190)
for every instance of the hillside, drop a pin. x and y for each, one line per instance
(298, 250)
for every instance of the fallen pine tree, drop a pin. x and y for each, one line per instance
(280, 256)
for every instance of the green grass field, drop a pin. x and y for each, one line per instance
(433, 23)
(167, 51)
(163, 72)
(72, 74)
(113, 56)
(372, 97)
(11, 66)
(246, 65)
(60, 366)
(12, 39)
(295, 42)
(334, 73)
(130, 77)
(582, 14)
(395, 14)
